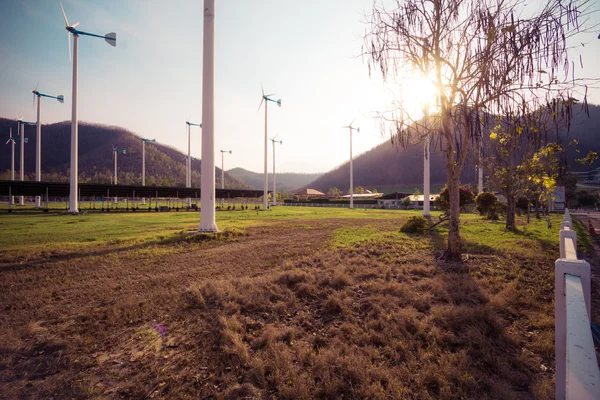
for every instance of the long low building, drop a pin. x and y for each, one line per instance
(59, 189)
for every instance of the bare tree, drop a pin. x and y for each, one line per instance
(482, 56)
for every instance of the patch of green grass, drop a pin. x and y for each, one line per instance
(347, 236)
(26, 234)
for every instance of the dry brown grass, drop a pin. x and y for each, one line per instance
(376, 319)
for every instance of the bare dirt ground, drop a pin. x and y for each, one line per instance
(73, 312)
(277, 313)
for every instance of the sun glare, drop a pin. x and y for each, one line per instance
(417, 96)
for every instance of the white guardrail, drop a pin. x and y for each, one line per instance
(577, 374)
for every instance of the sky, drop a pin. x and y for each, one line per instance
(306, 52)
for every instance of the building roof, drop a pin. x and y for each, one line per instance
(309, 192)
(395, 196)
(362, 195)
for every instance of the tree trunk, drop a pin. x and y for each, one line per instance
(510, 213)
(454, 251)
(537, 209)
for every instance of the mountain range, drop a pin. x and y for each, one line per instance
(165, 166)
(286, 182)
(389, 167)
(386, 167)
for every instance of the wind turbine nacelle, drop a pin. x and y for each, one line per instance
(60, 98)
(26, 140)
(358, 129)
(279, 102)
(111, 38)
(124, 151)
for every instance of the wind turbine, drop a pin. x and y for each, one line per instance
(266, 99)
(274, 178)
(11, 140)
(222, 166)
(115, 153)
(21, 127)
(38, 149)
(351, 128)
(110, 38)
(188, 164)
(144, 140)
(188, 172)
(207, 184)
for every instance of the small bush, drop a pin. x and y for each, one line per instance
(466, 198)
(487, 205)
(415, 224)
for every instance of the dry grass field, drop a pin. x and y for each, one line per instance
(338, 306)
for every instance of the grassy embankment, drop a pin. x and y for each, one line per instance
(293, 303)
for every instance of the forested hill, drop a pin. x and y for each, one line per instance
(286, 182)
(165, 166)
(387, 167)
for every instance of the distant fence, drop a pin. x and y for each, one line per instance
(577, 374)
(331, 205)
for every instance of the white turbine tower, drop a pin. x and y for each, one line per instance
(426, 177)
(274, 202)
(110, 38)
(11, 140)
(144, 140)
(351, 128)
(223, 167)
(116, 151)
(207, 187)
(21, 128)
(265, 98)
(38, 139)
(188, 160)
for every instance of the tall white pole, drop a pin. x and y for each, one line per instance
(222, 173)
(207, 189)
(22, 169)
(351, 174)
(188, 182)
(143, 163)
(426, 178)
(480, 172)
(12, 156)
(115, 152)
(38, 151)
(265, 191)
(274, 183)
(74, 186)
(189, 166)
(12, 163)
(143, 168)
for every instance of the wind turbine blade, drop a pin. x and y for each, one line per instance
(260, 105)
(111, 38)
(60, 98)
(279, 102)
(262, 89)
(36, 86)
(75, 24)
(8, 141)
(64, 15)
(352, 122)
